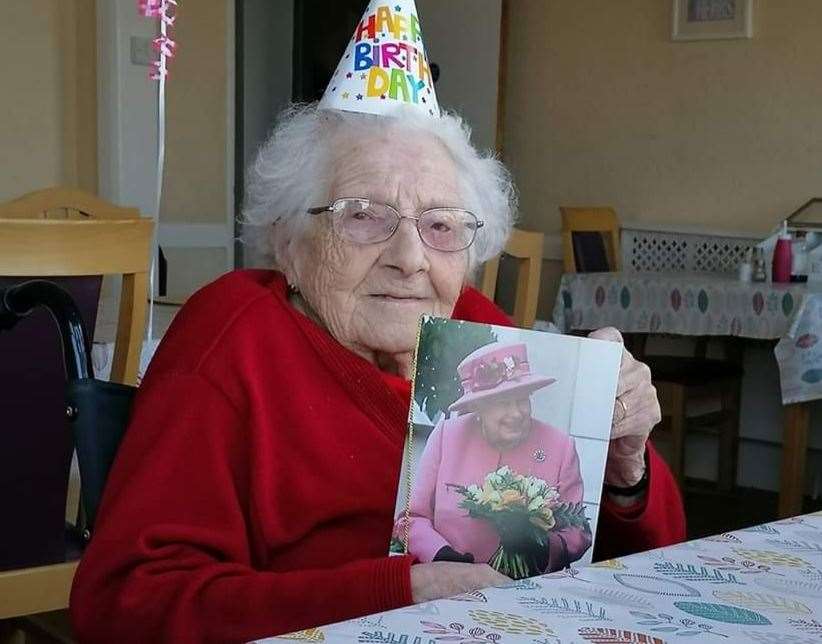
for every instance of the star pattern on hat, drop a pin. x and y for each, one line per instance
(349, 75)
(345, 94)
(397, 8)
(359, 97)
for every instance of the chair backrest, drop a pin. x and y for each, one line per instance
(590, 239)
(67, 232)
(71, 238)
(526, 248)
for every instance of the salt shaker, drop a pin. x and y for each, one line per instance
(746, 267)
(759, 272)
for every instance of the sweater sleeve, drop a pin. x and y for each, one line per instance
(170, 559)
(658, 521)
(423, 539)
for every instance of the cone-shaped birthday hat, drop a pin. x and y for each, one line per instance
(384, 66)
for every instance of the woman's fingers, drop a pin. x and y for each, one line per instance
(637, 422)
(445, 579)
(632, 374)
(608, 333)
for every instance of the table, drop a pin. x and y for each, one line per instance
(760, 584)
(704, 304)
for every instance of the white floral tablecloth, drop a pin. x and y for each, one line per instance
(702, 304)
(799, 353)
(761, 584)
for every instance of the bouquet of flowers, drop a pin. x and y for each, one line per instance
(523, 510)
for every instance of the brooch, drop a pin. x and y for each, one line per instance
(539, 455)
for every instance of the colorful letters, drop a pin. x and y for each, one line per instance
(396, 70)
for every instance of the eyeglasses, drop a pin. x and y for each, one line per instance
(363, 221)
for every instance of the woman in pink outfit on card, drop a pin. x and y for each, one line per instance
(494, 429)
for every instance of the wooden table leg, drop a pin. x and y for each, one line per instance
(794, 452)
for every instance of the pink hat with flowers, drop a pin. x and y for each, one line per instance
(496, 371)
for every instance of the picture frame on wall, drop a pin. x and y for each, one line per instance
(712, 19)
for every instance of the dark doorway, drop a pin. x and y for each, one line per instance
(321, 33)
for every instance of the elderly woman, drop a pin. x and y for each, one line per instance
(495, 429)
(254, 491)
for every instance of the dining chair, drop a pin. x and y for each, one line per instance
(591, 244)
(73, 238)
(525, 247)
(590, 239)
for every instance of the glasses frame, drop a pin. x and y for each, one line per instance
(332, 208)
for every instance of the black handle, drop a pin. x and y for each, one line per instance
(16, 302)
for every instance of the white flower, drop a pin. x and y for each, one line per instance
(535, 503)
(533, 488)
(551, 494)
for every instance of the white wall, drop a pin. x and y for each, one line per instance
(127, 114)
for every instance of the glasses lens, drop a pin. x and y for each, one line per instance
(448, 229)
(363, 222)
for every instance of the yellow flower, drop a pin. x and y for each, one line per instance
(489, 494)
(545, 520)
(512, 497)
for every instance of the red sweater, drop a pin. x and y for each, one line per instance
(254, 490)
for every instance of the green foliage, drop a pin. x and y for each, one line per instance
(443, 345)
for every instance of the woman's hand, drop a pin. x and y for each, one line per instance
(445, 579)
(636, 412)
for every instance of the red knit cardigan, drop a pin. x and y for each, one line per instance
(254, 490)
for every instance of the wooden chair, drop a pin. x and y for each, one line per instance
(678, 380)
(590, 239)
(526, 248)
(65, 232)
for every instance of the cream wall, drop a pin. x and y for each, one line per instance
(463, 37)
(48, 128)
(602, 108)
(195, 187)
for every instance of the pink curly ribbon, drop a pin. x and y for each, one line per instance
(164, 45)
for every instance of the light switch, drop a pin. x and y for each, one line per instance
(141, 51)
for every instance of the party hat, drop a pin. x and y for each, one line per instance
(384, 66)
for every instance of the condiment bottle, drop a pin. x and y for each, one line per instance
(782, 256)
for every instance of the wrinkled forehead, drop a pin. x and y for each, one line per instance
(404, 168)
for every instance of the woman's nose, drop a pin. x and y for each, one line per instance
(514, 410)
(405, 250)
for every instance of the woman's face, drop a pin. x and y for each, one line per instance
(370, 296)
(505, 422)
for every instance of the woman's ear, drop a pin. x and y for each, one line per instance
(287, 261)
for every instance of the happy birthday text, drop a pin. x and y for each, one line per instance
(395, 69)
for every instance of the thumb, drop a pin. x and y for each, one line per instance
(607, 333)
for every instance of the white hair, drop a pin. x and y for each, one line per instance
(291, 175)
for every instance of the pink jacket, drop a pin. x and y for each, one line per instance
(456, 452)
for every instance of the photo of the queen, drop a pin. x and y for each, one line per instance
(495, 484)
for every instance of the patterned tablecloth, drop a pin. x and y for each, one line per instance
(762, 584)
(702, 304)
